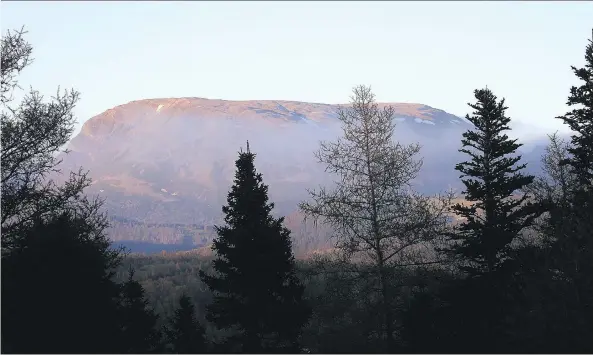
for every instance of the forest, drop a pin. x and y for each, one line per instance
(505, 267)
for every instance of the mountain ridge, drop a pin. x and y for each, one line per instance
(416, 110)
(170, 162)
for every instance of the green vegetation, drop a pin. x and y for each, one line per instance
(513, 275)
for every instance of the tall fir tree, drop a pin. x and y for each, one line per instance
(495, 217)
(580, 120)
(138, 321)
(185, 334)
(256, 289)
(572, 226)
(476, 308)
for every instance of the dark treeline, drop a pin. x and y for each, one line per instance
(503, 268)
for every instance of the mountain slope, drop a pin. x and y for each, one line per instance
(171, 161)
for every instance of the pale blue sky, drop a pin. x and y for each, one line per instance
(435, 53)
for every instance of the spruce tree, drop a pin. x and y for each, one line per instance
(476, 308)
(495, 217)
(185, 334)
(572, 226)
(255, 289)
(139, 333)
(580, 120)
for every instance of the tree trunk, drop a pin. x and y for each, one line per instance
(388, 314)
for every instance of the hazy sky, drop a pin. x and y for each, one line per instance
(435, 53)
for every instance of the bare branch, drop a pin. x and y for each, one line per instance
(377, 218)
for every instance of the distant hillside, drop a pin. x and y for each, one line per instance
(164, 166)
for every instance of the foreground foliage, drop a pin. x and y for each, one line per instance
(387, 288)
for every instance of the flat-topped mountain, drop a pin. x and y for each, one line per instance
(263, 110)
(171, 161)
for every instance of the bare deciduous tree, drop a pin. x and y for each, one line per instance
(558, 179)
(378, 219)
(33, 132)
(554, 187)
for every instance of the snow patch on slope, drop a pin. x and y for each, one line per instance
(419, 120)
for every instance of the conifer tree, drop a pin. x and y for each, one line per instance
(255, 289)
(139, 333)
(185, 334)
(475, 310)
(572, 226)
(58, 295)
(580, 120)
(495, 217)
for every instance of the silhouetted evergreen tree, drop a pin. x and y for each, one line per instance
(57, 265)
(580, 120)
(139, 332)
(185, 334)
(57, 290)
(472, 314)
(256, 288)
(495, 217)
(572, 226)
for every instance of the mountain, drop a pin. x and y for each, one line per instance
(164, 166)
